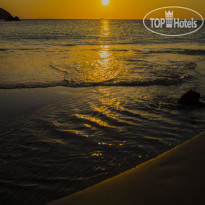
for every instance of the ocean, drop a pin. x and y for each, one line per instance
(85, 100)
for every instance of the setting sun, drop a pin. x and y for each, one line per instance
(105, 2)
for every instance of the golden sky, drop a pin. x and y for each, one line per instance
(92, 9)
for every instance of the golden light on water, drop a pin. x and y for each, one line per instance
(105, 2)
(94, 120)
(104, 54)
(104, 63)
(105, 28)
(99, 63)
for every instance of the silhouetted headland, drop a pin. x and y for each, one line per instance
(5, 15)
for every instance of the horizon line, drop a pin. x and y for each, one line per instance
(80, 19)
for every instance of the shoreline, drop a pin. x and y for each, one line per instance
(174, 177)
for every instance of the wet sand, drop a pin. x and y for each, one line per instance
(175, 177)
(17, 102)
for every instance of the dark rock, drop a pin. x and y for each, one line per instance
(5, 15)
(16, 18)
(191, 98)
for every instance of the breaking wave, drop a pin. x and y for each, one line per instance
(115, 82)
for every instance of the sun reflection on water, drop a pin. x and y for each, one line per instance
(91, 64)
(105, 52)
(105, 31)
(104, 63)
(107, 102)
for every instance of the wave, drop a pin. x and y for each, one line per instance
(177, 51)
(163, 81)
(69, 44)
(3, 49)
(20, 49)
(31, 85)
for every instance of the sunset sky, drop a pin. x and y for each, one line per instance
(91, 9)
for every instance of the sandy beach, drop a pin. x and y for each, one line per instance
(175, 177)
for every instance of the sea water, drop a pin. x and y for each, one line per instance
(120, 86)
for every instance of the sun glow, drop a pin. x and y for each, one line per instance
(105, 2)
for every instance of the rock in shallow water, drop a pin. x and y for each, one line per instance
(191, 98)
